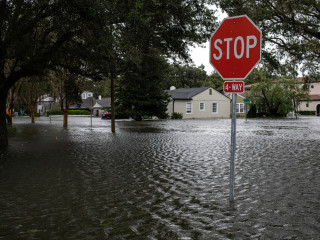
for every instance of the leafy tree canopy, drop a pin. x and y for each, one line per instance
(291, 33)
(215, 81)
(185, 76)
(153, 32)
(41, 34)
(275, 98)
(96, 38)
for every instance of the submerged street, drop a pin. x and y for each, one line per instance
(164, 179)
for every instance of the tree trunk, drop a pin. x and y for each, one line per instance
(11, 104)
(32, 116)
(113, 117)
(65, 117)
(3, 124)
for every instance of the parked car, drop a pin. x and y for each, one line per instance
(106, 115)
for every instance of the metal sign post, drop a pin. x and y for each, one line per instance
(235, 49)
(233, 145)
(50, 111)
(91, 103)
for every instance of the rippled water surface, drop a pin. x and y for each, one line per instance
(160, 180)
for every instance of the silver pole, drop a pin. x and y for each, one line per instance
(91, 100)
(50, 111)
(91, 117)
(233, 145)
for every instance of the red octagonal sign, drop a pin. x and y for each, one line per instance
(235, 48)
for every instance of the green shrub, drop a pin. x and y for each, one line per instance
(36, 114)
(71, 112)
(54, 112)
(79, 112)
(307, 112)
(176, 115)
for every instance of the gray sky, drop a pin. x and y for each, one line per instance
(200, 55)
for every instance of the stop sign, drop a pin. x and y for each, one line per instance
(235, 47)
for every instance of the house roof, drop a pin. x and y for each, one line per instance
(185, 93)
(87, 103)
(314, 97)
(104, 103)
(94, 103)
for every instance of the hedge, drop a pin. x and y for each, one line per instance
(307, 112)
(71, 112)
(176, 115)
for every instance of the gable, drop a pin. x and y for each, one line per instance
(215, 96)
(97, 105)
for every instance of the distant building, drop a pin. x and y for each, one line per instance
(86, 94)
(44, 104)
(311, 104)
(241, 106)
(202, 102)
(100, 105)
(314, 103)
(89, 102)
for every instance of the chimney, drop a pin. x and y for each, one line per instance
(99, 97)
(172, 88)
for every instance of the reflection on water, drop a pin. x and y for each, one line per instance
(161, 180)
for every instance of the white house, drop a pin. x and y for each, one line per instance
(242, 108)
(44, 103)
(202, 102)
(311, 104)
(101, 103)
(314, 103)
(86, 94)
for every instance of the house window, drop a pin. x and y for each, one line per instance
(188, 107)
(201, 106)
(240, 108)
(312, 86)
(89, 94)
(214, 107)
(210, 91)
(84, 96)
(307, 104)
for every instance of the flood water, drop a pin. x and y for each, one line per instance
(161, 180)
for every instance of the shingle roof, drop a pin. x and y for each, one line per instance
(106, 102)
(87, 103)
(314, 97)
(185, 93)
(90, 102)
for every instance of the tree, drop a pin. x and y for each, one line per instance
(13, 97)
(215, 81)
(65, 86)
(275, 98)
(93, 37)
(258, 76)
(186, 76)
(154, 31)
(290, 30)
(31, 91)
(35, 35)
(99, 88)
(140, 91)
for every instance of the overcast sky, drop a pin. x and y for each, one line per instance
(200, 55)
